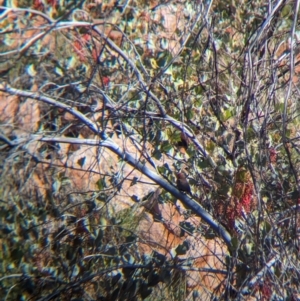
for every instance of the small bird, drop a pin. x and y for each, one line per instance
(185, 141)
(182, 183)
(183, 144)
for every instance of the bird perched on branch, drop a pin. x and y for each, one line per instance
(183, 143)
(182, 183)
(185, 140)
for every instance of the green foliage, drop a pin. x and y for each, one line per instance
(224, 84)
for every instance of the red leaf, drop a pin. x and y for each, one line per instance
(105, 81)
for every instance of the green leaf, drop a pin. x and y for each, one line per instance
(203, 163)
(235, 243)
(248, 248)
(156, 154)
(226, 114)
(81, 161)
(131, 238)
(101, 184)
(163, 58)
(190, 114)
(165, 146)
(17, 254)
(144, 291)
(286, 11)
(56, 186)
(165, 169)
(182, 249)
(187, 227)
(134, 181)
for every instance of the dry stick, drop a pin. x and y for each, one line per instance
(110, 144)
(149, 92)
(259, 275)
(89, 278)
(179, 125)
(54, 26)
(139, 76)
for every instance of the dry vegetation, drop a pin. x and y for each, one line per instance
(102, 103)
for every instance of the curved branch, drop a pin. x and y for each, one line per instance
(177, 124)
(138, 74)
(93, 126)
(246, 290)
(107, 142)
(110, 144)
